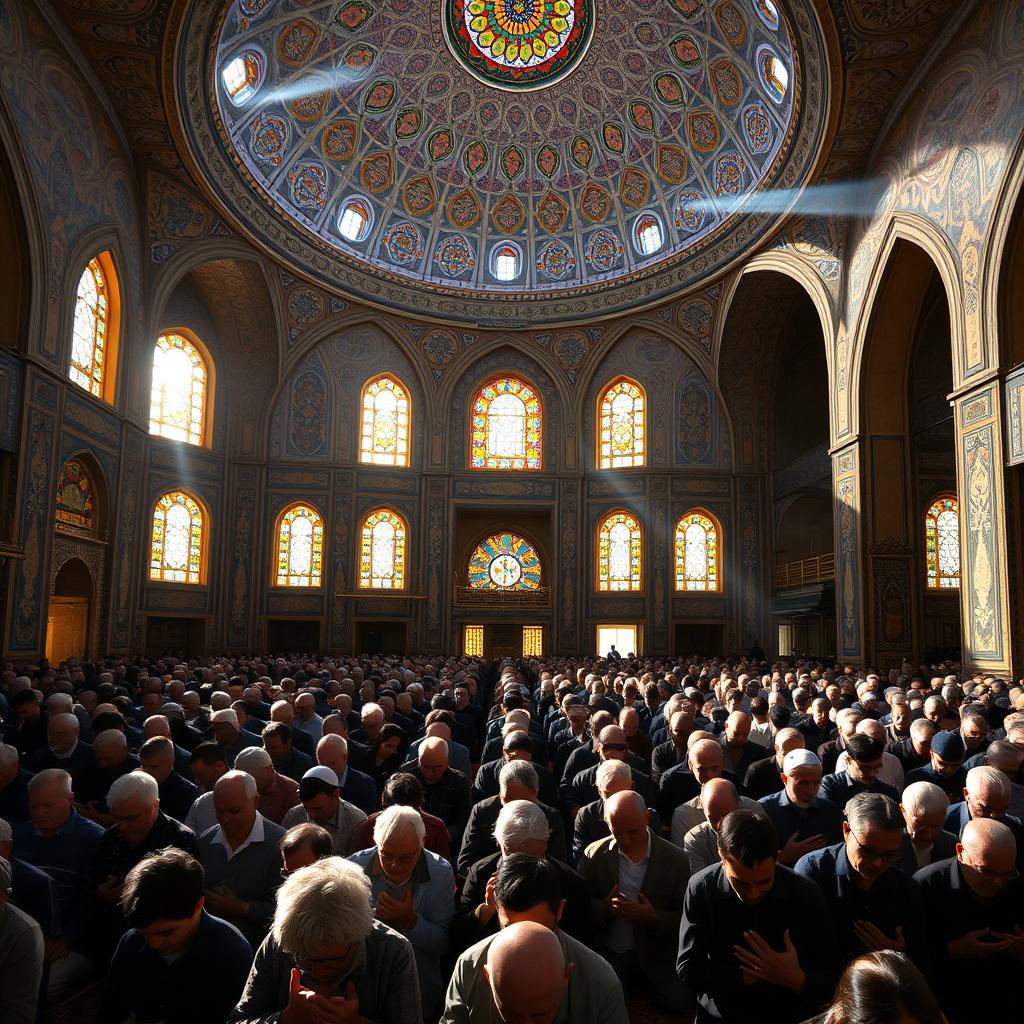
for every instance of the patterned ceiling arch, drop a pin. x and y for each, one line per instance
(674, 115)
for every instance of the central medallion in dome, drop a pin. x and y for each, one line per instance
(518, 44)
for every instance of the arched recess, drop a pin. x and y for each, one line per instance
(774, 359)
(71, 614)
(15, 265)
(82, 505)
(905, 375)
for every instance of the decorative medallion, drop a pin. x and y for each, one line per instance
(307, 185)
(310, 107)
(669, 88)
(359, 59)
(305, 306)
(688, 8)
(604, 250)
(418, 196)
(354, 15)
(475, 157)
(703, 131)
(408, 123)
(556, 260)
(338, 140)
(297, 41)
(512, 162)
(379, 96)
(403, 243)
(464, 209)
(685, 51)
(595, 202)
(508, 215)
(582, 152)
(518, 44)
(672, 164)
(641, 116)
(504, 562)
(377, 172)
(552, 211)
(440, 347)
(454, 256)
(731, 22)
(758, 128)
(548, 161)
(695, 317)
(441, 145)
(729, 174)
(725, 80)
(614, 137)
(634, 188)
(268, 138)
(691, 211)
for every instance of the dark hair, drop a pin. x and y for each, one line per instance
(864, 748)
(165, 886)
(883, 986)
(208, 752)
(512, 700)
(524, 881)
(107, 720)
(24, 697)
(309, 788)
(748, 838)
(758, 706)
(403, 790)
(388, 731)
(779, 715)
(158, 745)
(316, 837)
(280, 729)
(441, 715)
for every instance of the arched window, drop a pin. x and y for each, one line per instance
(697, 545)
(300, 547)
(621, 415)
(507, 422)
(647, 235)
(91, 339)
(506, 261)
(504, 561)
(942, 543)
(355, 219)
(382, 551)
(242, 76)
(620, 553)
(180, 375)
(385, 430)
(177, 548)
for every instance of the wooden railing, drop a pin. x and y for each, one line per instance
(819, 569)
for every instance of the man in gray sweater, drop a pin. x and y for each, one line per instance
(21, 958)
(241, 858)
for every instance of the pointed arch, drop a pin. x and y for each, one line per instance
(81, 502)
(181, 396)
(507, 425)
(95, 329)
(178, 539)
(698, 547)
(942, 543)
(299, 532)
(386, 421)
(620, 542)
(383, 543)
(622, 425)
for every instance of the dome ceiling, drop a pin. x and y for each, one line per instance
(516, 150)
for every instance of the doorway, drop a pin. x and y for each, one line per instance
(297, 636)
(166, 634)
(625, 639)
(701, 638)
(70, 614)
(375, 636)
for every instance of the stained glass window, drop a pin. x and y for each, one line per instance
(473, 641)
(505, 561)
(382, 551)
(647, 235)
(697, 546)
(89, 337)
(622, 426)
(619, 553)
(177, 407)
(942, 543)
(300, 547)
(76, 500)
(506, 261)
(385, 430)
(176, 549)
(354, 222)
(507, 422)
(533, 641)
(243, 76)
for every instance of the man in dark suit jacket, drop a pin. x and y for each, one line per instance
(667, 755)
(65, 750)
(611, 744)
(518, 747)
(925, 842)
(764, 777)
(358, 789)
(861, 773)
(636, 882)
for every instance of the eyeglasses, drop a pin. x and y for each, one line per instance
(878, 856)
(305, 963)
(404, 858)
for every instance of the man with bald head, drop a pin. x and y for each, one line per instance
(672, 752)
(986, 795)
(282, 711)
(445, 791)
(637, 882)
(278, 793)
(705, 760)
(974, 910)
(358, 789)
(700, 844)
(611, 746)
(740, 750)
(764, 777)
(528, 975)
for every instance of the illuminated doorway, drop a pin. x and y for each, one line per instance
(70, 613)
(625, 639)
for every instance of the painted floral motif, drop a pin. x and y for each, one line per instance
(418, 196)
(604, 251)
(570, 349)
(440, 346)
(508, 215)
(455, 256)
(379, 96)
(686, 51)
(354, 15)
(552, 212)
(403, 243)
(547, 161)
(702, 127)
(307, 184)
(305, 306)
(268, 138)
(441, 145)
(635, 188)
(464, 209)
(729, 174)
(691, 211)
(594, 202)
(758, 128)
(672, 164)
(338, 140)
(556, 260)
(297, 41)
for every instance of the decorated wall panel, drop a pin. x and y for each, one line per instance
(849, 553)
(1014, 402)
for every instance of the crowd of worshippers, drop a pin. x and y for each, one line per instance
(405, 841)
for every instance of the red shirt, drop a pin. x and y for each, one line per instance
(436, 839)
(282, 796)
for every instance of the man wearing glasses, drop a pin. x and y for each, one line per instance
(974, 904)
(872, 903)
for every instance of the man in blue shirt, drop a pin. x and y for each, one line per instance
(986, 795)
(13, 786)
(864, 762)
(802, 819)
(872, 903)
(178, 964)
(945, 766)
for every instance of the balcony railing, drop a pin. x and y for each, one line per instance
(502, 598)
(820, 569)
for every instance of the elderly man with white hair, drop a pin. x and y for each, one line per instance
(230, 736)
(13, 786)
(521, 827)
(328, 959)
(65, 750)
(924, 807)
(241, 858)
(278, 793)
(974, 914)
(986, 795)
(306, 718)
(412, 891)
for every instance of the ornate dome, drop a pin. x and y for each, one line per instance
(526, 150)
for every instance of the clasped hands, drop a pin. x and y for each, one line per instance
(307, 1006)
(396, 913)
(762, 963)
(641, 909)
